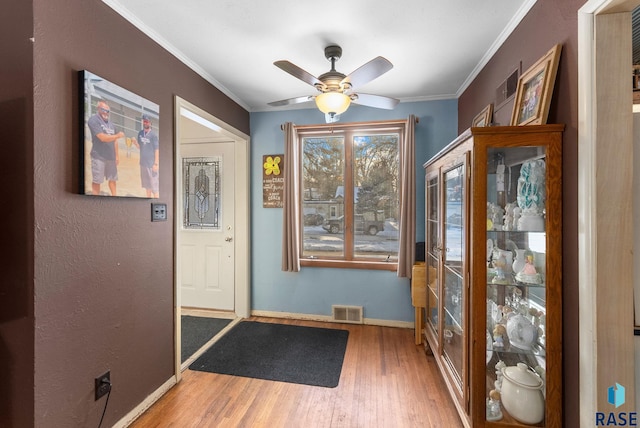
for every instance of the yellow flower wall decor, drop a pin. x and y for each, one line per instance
(272, 165)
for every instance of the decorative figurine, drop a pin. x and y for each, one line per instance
(489, 249)
(532, 195)
(499, 333)
(495, 216)
(502, 265)
(528, 274)
(517, 212)
(508, 216)
(493, 406)
(499, 366)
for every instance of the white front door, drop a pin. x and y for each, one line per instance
(206, 260)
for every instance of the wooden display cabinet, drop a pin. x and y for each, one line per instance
(494, 197)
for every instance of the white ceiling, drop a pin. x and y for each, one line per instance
(437, 47)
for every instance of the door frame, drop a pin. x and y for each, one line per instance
(605, 252)
(222, 132)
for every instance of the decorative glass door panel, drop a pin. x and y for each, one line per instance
(433, 251)
(202, 193)
(454, 217)
(453, 255)
(516, 291)
(453, 331)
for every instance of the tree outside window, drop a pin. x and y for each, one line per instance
(350, 194)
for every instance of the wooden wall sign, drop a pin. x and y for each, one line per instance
(272, 181)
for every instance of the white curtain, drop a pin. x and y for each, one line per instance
(291, 208)
(407, 239)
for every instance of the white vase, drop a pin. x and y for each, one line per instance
(519, 262)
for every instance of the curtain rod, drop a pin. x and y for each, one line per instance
(352, 124)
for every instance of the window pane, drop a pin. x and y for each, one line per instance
(323, 205)
(376, 196)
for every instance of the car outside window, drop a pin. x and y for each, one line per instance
(350, 195)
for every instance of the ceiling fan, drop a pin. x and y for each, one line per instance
(336, 89)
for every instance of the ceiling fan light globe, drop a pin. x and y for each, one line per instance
(333, 102)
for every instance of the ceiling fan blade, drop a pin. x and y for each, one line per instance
(367, 72)
(296, 71)
(376, 101)
(292, 101)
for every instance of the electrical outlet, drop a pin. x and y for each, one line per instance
(103, 384)
(158, 212)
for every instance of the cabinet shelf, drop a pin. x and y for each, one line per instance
(454, 319)
(515, 283)
(475, 323)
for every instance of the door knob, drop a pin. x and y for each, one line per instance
(228, 239)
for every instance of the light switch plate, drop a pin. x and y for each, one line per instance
(158, 212)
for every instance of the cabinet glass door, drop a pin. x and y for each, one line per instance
(516, 292)
(453, 254)
(433, 251)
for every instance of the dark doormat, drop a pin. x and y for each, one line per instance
(280, 352)
(196, 331)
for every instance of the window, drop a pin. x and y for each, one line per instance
(350, 195)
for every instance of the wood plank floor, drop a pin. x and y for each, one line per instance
(386, 381)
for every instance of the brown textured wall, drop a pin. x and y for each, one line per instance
(103, 271)
(549, 22)
(16, 188)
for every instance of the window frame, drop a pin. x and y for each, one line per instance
(349, 131)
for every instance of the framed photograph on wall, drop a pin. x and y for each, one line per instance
(484, 117)
(119, 147)
(535, 89)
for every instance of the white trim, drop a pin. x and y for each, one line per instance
(329, 319)
(199, 119)
(587, 248)
(117, 6)
(430, 98)
(130, 417)
(129, 16)
(590, 370)
(232, 132)
(207, 313)
(242, 213)
(502, 37)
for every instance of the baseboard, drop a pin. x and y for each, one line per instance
(328, 318)
(144, 406)
(207, 313)
(389, 323)
(134, 414)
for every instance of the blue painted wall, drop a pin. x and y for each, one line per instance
(312, 291)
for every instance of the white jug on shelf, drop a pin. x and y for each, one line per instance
(519, 262)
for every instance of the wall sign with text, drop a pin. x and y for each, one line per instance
(272, 181)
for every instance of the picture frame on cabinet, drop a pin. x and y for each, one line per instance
(535, 89)
(119, 140)
(484, 117)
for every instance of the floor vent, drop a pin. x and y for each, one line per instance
(350, 314)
